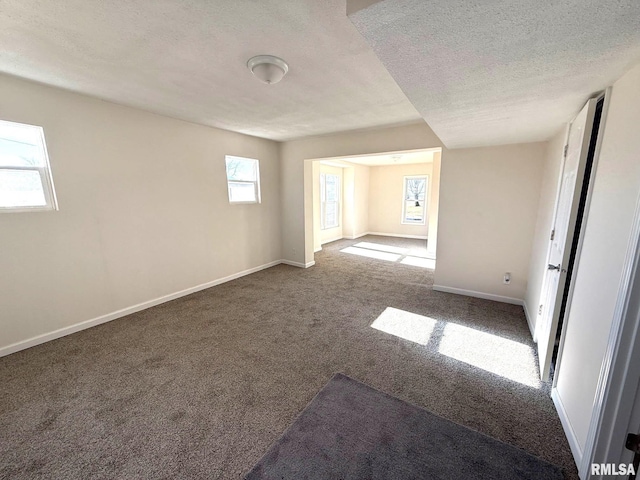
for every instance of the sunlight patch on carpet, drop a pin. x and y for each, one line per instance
(501, 356)
(419, 262)
(363, 252)
(410, 326)
(381, 247)
(388, 253)
(498, 355)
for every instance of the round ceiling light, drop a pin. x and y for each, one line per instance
(267, 68)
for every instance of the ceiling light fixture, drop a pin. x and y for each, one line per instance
(267, 68)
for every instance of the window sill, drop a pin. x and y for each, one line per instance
(27, 209)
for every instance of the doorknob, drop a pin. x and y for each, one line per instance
(555, 267)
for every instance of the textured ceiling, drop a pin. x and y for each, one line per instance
(485, 72)
(186, 59)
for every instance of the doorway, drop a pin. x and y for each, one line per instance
(362, 195)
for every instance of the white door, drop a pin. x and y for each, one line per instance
(561, 237)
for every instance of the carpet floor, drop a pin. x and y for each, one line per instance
(201, 386)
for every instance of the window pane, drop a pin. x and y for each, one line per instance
(415, 195)
(331, 185)
(242, 192)
(331, 215)
(21, 145)
(413, 212)
(21, 188)
(244, 169)
(415, 189)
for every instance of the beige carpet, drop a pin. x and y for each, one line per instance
(201, 386)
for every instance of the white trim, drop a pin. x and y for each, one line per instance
(62, 332)
(334, 239)
(473, 293)
(418, 237)
(27, 209)
(353, 237)
(298, 264)
(318, 249)
(380, 234)
(527, 315)
(566, 425)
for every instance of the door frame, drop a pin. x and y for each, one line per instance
(596, 157)
(578, 453)
(560, 301)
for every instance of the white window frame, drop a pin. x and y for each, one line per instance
(255, 183)
(46, 178)
(405, 180)
(323, 201)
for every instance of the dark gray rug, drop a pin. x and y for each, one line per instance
(352, 431)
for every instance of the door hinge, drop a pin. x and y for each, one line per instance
(566, 149)
(553, 234)
(633, 443)
(540, 310)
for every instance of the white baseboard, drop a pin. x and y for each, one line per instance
(529, 322)
(298, 264)
(318, 250)
(576, 450)
(473, 293)
(335, 239)
(353, 237)
(418, 237)
(62, 332)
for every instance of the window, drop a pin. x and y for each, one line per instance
(25, 177)
(329, 200)
(414, 202)
(243, 179)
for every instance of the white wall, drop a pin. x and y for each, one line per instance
(616, 190)
(541, 238)
(488, 209)
(386, 199)
(356, 200)
(143, 212)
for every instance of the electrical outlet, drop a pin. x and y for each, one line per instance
(507, 278)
